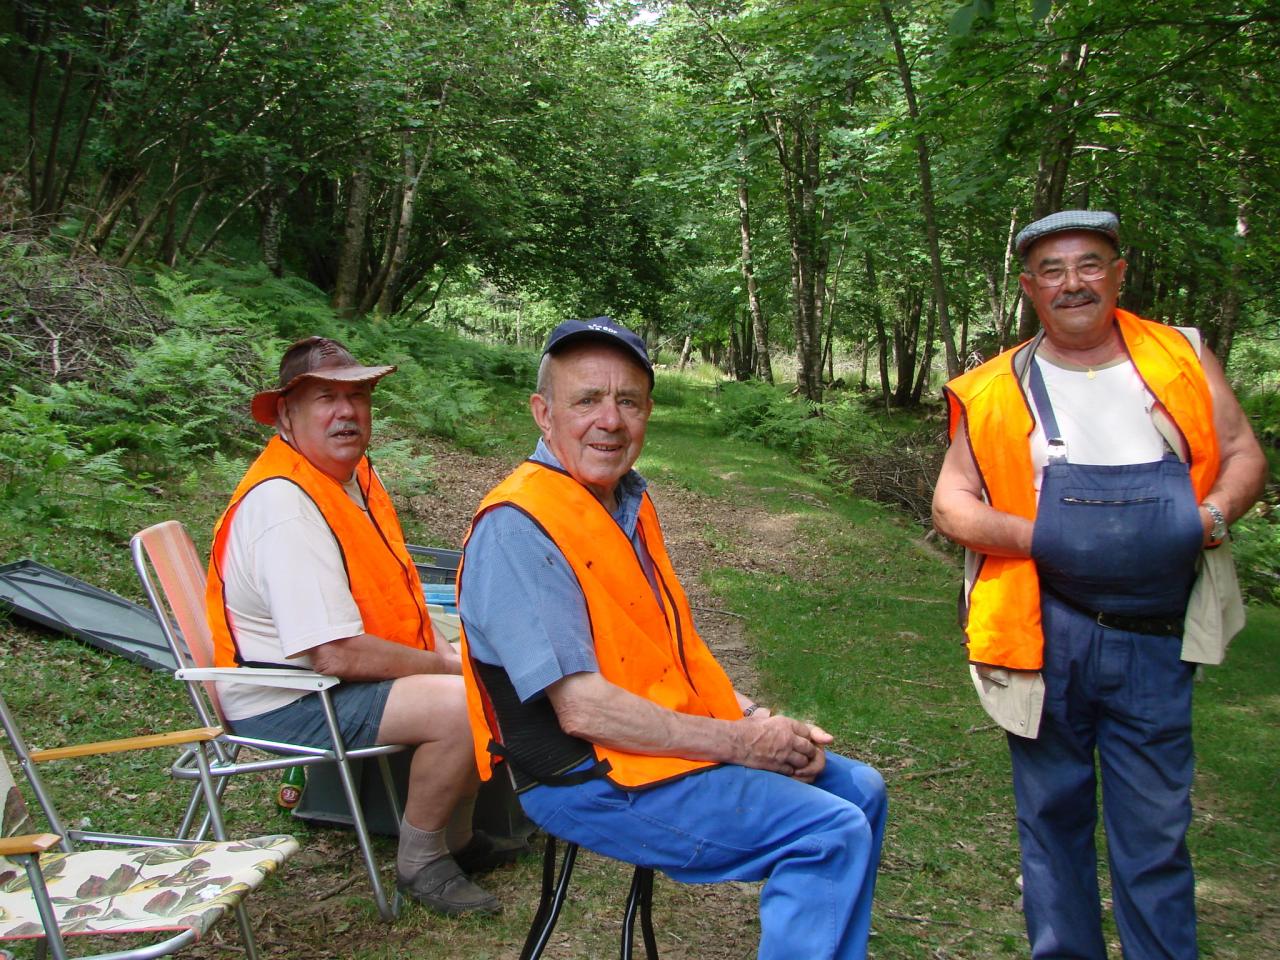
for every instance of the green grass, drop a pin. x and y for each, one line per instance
(856, 630)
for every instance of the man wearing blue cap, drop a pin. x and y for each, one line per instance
(588, 685)
(1092, 475)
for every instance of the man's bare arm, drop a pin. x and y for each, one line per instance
(960, 513)
(1243, 470)
(366, 657)
(590, 707)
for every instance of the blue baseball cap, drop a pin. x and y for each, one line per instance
(600, 328)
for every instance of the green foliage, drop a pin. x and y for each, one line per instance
(893, 460)
(1255, 372)
(46, 477)
(443, 401)
(758, 411)
(251, 297)
(404, 472)
(1256, 548)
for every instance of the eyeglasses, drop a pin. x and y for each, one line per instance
(1088, 271)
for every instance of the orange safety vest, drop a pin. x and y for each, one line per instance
(384, 582)
(646, 647)
(1002, 621)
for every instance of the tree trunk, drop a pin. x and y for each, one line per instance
(346, 289)
(798, 152)
(169, 235)
(1001, 314)
(412, 172)
(1055, 154)
(877, 314)
(82, 134)
(831, 290)
(926, 194)
(866, 361)
(685, 351)
(240, 205)
(106, 220)
(1230, 311)
(1060, 137)
(269, 232)
(759, 325)
(33, 114)
(141, 231)
(43, 203)
(189, 224)
(926, 363)
(906, 333)
(380, 265)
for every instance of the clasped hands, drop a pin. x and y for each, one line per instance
(790, 747)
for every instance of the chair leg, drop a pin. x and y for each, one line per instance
(639, 900)
(646, 916)
(553, 895)
(386, 908)
(225, 755)
(246, 932)
(389, 784)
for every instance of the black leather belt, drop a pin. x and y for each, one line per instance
(1152, 626)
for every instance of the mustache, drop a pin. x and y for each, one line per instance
(341, 426)
(1075, 298)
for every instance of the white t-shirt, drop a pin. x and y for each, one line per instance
(1103, 414)
(286, 588)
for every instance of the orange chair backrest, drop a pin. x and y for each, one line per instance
(181, 575)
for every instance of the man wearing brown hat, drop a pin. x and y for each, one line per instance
(309, 568)
(1092, 474)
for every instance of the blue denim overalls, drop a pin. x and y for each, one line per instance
(1115, 547)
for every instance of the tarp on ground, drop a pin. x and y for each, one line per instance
(98, 617)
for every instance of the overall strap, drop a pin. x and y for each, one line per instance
(1044, 410)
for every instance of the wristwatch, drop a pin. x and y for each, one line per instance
(1218, 532)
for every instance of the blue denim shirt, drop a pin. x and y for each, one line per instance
(520, 601)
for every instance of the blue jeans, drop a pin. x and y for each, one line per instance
(1127, 696)
(818, 845)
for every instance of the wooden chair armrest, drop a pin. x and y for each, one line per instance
(147, 742)
(28, 843)
(262, 677)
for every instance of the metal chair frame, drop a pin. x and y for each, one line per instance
(556, 888)
(63, 838)
(180, 572)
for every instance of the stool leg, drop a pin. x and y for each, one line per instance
(553, 894)
(639, 899)
(646, 916)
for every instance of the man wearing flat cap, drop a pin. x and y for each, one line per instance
(589, 686)
(1092, 475)
(309, 568)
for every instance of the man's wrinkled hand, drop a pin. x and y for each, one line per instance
(779, 744)
(820, 739)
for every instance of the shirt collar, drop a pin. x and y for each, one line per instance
(629, 493)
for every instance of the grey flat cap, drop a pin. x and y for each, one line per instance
(1099, 221)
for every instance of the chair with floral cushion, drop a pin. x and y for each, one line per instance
(168, 890)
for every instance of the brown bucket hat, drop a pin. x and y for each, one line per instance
(317, 358)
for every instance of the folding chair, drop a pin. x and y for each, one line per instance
(554, 890)
(165, 553)
(166, 886)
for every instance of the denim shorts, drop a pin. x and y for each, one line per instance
(359, 707)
